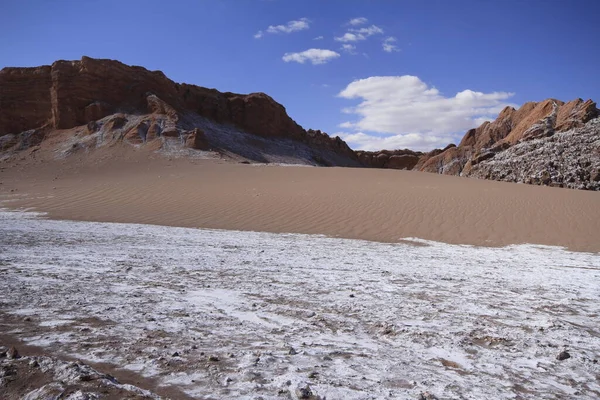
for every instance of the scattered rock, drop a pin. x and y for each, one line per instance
(213, 358)
(12, 353)
(426, 396)
(6, 371)
(304, 392)
(292, 351)
(563, 355)
(176, 354)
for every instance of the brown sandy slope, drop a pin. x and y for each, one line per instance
(372, 204)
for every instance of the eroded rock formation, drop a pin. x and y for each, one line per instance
(547, 143)
(71, 94)
(105, 102)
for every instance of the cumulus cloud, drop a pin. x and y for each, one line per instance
(354, 35)
(404, 111)
(291, 26)
(370, 31)
(318, 38)
(413, 141)
(349, 37)
(315, 56)
(358, 21)
(389, 44)
(348, 48)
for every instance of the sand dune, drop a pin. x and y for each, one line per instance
(372, 204)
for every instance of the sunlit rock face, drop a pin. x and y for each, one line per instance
(36, 103)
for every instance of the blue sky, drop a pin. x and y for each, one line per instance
(449, 64)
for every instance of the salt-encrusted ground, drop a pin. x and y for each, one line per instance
(225, 314)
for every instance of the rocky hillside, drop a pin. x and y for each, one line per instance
(546, 143)
(76, 106)
(566, 159)
(105, 102)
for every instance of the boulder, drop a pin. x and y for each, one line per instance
(196, 139)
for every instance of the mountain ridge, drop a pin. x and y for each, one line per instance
(74, 94)
(101, 102)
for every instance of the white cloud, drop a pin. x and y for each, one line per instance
(358, 21)
(408, 111)
(318, 38)
(354, 35)
(370, 31)
(291, 26)
(315, 56)
(349, 37)
(388, 44)
(412, 141)
(348, 48)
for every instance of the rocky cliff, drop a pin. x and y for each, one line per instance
(531, 121)
(141, 107)
(81, 105)
(547, 143)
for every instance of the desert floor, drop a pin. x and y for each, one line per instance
(331, 282)
(369, 204)
(220, 314)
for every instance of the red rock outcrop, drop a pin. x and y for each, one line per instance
(500, 137)
(73, 93)
(69, 94)
(115, 102)
(393, 159)
(24, 99)
(532, 120)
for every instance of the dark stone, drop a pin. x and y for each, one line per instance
(563, 355)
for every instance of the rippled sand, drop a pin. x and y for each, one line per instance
(371, 204)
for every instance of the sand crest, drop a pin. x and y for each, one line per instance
(371, 204)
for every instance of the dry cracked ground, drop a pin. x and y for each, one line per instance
(208, 314)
